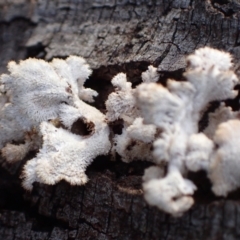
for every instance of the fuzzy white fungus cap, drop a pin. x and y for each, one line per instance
(170, 194)
(222, 114)
(38, 92)
(35, 90)
(158, 106)
(176, 111)
(135, 141)
(142, 132)
(151, 75)
(209, 72)
(161, 146)
(64, 156)
(121, 103)
(225, 162)
(199, 150)
(75, 71)
(17, 152)
(57, 159)
(153, 172)
(153, 115)
(131, 149)
(205, 58)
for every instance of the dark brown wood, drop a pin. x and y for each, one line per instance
(114, 36)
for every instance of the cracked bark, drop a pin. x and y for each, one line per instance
(114, 36)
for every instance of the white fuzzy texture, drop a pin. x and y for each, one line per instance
(222, 114)
(38, 92)
(121, 102)
(224, 165)
(151, 75)
(35, 92)
(135, 141)
(199, 151)
(75, 71)
(64, 156)
(205, 58)
(153, 172)
(36, 89)
(131, 149)
(142, 132)
(38, 98)
(170, 194)
(177, 110)
(17, 152)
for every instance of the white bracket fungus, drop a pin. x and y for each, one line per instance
(39, 92)
(176, 110)
(40, 103)
(135, 141)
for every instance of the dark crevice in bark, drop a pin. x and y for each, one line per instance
(11, 192)
(228, 8)
(167, 8)
(158, 61)
(118, 168)
(234, 103)
(221, 2)
(116, 126)
(176, 75)
(58, 56)
(203, 195)
(16, 20)
(203, 123)
(36, 51)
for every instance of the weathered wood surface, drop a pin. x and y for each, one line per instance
(114, 36)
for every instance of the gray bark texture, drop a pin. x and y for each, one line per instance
(114, 36)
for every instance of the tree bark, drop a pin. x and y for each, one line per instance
(114, 36)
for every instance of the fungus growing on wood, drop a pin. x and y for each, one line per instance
(43, 108)
(177, 110)
(41, 94)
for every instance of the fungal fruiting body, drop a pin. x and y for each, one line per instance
(40, 94)
(135, 140)
(42, 104)
(176, 110)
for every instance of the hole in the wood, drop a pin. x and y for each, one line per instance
(116, 126)
(212, 107)
(176, 75)
(37, 51)
(82, 128)
(221, 2)
(228, 8)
